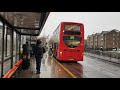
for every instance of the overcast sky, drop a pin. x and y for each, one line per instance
(94, 22)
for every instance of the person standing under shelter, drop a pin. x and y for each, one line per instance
(25, 50)
(25, 56)
(38, 52)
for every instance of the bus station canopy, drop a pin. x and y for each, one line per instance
(26, 23)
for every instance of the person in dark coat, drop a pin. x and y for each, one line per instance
(25, 50)
(38, 52)
(26, 62)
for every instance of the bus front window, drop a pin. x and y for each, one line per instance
(72, 41)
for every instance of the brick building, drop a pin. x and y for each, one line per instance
(96, 40)
(106, 39)
(92, 41)
(88, 41)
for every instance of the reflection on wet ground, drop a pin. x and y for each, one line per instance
(89, 68)
(75, 68)
(97, 68)
(49, 69)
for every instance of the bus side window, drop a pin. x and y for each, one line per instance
(56, 45)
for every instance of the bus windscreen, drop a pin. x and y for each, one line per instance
(72, 41)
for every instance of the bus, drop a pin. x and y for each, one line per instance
(68, 42)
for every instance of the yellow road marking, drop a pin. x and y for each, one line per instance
(70, 73)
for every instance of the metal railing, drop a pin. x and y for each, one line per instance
(106, 55)
(13, 71)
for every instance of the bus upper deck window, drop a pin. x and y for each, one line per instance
(72, 27)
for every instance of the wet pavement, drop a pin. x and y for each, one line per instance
(89, 68)
(75, 68)
(97, 68)
(116, 60)
(49, 69)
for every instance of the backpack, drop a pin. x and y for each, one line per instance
(25, 49)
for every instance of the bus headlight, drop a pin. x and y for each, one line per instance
(60, 53)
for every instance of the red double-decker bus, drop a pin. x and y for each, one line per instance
(68, 41)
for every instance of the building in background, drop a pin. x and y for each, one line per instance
(108, 40)
(88, 41)
(96, 40)
(92, 41)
